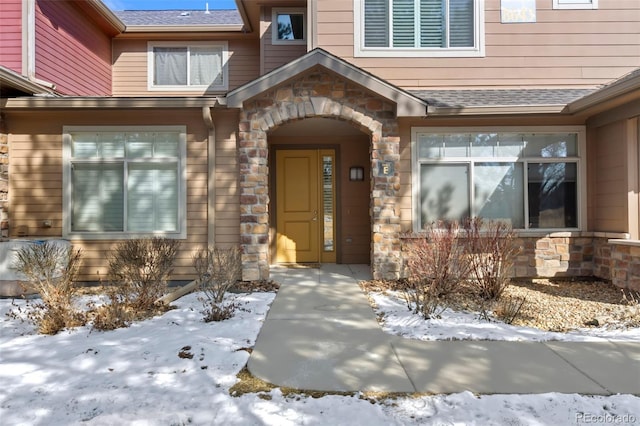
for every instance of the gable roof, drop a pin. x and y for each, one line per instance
(180, 17)
(407, 104)
(162, 21)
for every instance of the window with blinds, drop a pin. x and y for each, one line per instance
(419, 25)
(125, 182)
(197, 66)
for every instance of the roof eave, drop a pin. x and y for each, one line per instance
(183, 28)
(22, 83)
(111, 18)
(608, 93)
(496, 110)
(407, 104)
(109, 102)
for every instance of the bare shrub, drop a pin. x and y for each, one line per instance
(113, 315)
(491, 252)
(630, 316)
(436, 265)
(217, 270)
(50, 270)
(140, 270)
(508, 308)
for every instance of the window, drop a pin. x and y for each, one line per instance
(197, 66)
(575, 4)
(528, 178)
(419, 28)
(288, 26)
(122, 182)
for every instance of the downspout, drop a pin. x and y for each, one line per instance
(29, 38)
(29, 44)
(211, 177)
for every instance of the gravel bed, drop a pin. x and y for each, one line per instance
(549, 304)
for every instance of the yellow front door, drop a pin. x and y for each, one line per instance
(302, 206)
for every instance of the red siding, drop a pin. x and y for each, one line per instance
(71, 51)
(11, 34)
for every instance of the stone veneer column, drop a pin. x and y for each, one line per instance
(318, 94)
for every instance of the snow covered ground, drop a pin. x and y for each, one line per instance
(143, 375)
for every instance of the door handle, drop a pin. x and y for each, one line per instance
(315, 215)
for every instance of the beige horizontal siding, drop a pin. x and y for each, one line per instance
(130, 67)
(563, 48)
(36, 178)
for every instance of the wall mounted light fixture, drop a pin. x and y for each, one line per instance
(356, 173)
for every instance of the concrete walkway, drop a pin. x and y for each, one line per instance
(322, 334)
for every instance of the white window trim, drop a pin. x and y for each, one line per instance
(581, 164)
(150, 66)
(397, 52)
(580, 4)
(274, 24)
(67, 186)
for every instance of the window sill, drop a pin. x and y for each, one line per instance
(419, 53)
(88, 236)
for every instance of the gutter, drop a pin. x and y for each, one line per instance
(616, 89)
(16, 81)
(109, 102)
(107, 14)
(497, 110)
(182, 28)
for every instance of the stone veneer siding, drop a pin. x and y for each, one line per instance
(4, 180)
(584, 255)
(318, 93)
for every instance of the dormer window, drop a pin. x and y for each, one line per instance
(288, 26)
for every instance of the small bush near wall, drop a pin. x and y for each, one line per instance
(437, 265)
(138, 274)
(218, 270)
(491, 251)
(50, 270)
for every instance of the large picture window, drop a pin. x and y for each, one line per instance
(529, 179)
(419, 27)
(197, 66)
(125, 181)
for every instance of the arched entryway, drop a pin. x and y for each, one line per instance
(318, 93)
(320, 181)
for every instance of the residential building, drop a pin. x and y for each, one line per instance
(317, 131)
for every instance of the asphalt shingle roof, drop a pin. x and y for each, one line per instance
(179, 17)
(499, 97)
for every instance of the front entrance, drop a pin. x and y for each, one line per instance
(305, 206)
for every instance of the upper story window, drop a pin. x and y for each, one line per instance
(575, 4)
(288, 26)
(419, 28)
(193, 66)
